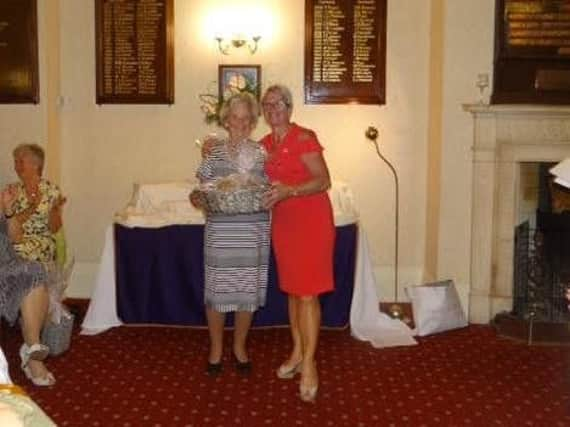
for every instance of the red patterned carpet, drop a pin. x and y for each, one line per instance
(140, 376)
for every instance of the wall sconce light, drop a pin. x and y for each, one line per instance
(237, 42)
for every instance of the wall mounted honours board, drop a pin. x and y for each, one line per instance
(345, 51)
(532, 52)
(135, 51)
(18, 52)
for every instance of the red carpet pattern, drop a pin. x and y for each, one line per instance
(143, 376)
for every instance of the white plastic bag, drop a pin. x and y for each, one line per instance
(58, 281)
(436, 307)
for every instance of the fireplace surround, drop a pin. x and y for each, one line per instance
(505, 136)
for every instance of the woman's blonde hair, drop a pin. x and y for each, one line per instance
(240, 98)
(285, 93)
(33, 150)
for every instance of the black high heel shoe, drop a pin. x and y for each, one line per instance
(214, 369)
(243, 368)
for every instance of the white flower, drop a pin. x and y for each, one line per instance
(242, 82)
(228, 93)
(237, 81)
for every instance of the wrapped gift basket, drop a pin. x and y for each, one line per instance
(57, 331)
(57, 336)
(232, 195)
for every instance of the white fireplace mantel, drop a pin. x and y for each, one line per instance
(505, 136)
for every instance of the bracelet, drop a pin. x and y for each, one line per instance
(294, 191)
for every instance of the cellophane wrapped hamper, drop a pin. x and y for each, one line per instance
(57, 336)
(59, 325)
(233, 194)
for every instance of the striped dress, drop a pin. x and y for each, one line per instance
(236, 247)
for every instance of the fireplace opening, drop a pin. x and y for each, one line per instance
(541, 270)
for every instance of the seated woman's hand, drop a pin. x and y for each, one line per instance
(8, 197)
(58, 203)
(55, 220)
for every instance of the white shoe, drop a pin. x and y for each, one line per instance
(33, 352)
(47, 380)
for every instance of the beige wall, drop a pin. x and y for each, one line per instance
(468, 51)
(104, 149)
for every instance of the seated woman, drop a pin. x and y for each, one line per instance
(36, 211)
(23, 289)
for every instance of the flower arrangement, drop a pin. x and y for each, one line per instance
(235, 83)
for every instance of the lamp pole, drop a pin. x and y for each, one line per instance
(372, 135)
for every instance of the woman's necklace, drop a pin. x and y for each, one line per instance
(32, 191)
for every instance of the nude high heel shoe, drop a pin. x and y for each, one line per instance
(287, 372)
(308, 393)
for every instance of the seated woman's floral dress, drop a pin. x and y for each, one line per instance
(17, 276)
(38, 243)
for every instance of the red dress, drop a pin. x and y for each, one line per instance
(302, 227)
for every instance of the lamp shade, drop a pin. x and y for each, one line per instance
(561, 173)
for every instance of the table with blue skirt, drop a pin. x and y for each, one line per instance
(160, 278)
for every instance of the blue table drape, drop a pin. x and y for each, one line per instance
(160, 276)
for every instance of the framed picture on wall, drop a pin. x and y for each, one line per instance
(234, 79)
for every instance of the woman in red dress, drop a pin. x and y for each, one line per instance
(302, 230)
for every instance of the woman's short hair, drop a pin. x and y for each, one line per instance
(285, 93)
(33, 150)
(240, 98)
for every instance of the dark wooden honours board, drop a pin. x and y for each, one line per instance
(345, 51)
(532, 52)
(135, 51)
(18, 52)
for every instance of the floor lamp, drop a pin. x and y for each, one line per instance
(395, 309)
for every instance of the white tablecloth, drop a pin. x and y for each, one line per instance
(367, 323)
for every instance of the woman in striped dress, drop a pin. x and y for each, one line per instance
(236, 247)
